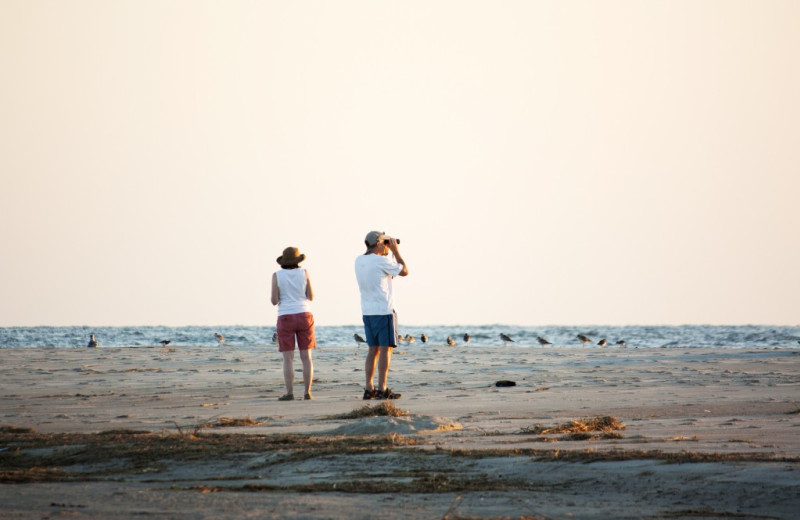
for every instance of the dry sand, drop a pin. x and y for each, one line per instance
(126, 432)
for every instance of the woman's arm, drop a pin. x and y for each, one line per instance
(309, 290)
(276, 296)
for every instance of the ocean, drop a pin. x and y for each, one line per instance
(740, 336)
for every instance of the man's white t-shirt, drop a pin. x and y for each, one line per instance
(374, 274)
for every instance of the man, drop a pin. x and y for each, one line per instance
(374, 272)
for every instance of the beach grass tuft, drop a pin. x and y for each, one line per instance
(385, 409)
(31, 475)
(123, 432)
(431, 482)
(590, 436)
(579, 427)
(682, 438)
(231, 422)
(16, 429)
(705, 512)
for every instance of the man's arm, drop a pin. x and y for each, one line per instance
(397, 257)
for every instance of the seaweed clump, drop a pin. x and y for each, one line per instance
(385, 409)
(601, 427)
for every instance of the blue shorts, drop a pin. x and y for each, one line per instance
(381, 330)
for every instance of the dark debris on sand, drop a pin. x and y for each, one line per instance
(592, 428)
(35, 457)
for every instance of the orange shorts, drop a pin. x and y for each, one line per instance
(296, 326)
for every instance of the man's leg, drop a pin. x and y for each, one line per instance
(384, 362)
(369, 366)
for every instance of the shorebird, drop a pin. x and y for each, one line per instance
(467, 338)
(450, 341)
(220, 337)
(424, 338)
(92, 341)
(410, 339)
(543, 342)
(359, 339)
(506, 338)
(400, 338)
(602, 342)
(621, 343)
(584, 339)
(165, 342)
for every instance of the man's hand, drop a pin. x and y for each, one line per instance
(393, 247)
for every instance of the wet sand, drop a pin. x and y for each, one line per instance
(711, 433)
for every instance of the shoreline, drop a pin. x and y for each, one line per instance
(727, 419)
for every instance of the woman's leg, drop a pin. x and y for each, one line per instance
(288, 371)
(306, 341)
(308, 370)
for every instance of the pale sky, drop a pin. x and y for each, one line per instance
(543, 162)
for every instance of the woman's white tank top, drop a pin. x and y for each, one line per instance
(292, 286)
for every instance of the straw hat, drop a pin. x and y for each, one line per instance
(291, 256)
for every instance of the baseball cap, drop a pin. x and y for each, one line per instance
(373, 237)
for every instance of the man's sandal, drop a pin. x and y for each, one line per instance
(388, 394)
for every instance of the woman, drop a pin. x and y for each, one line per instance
(292, 293)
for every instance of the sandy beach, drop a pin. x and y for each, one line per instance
(198, 432)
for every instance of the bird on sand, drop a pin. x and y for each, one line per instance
(165, 342)
(467, 338)
(584, 339)
(621, 343)
(602, 342)
(506, 338)
(359, 339)
(410, 339)
(424, 338)
(450, 341)
(220, 338)
(543, 342)
(400, 338)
